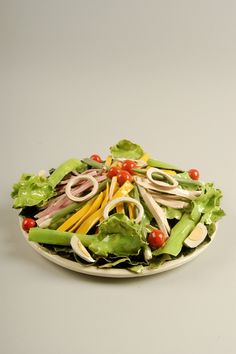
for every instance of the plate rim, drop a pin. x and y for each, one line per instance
(113, 272)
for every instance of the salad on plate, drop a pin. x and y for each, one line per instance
(127, 211)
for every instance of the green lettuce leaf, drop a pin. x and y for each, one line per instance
(156, 262)
(211, 228)
(127, 149)
(31, 190)
(114, 263)
(118, 235)
(213, 216)
(208, 204)
(173, 213)
(36, 190)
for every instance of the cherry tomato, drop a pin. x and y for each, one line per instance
(28, 223)
(156, 238)
(194, 174)
(124, 176)
(128, 165)
(96, 158)
(114, 170)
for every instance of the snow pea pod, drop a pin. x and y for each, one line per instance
(61, 171)
(161, 164)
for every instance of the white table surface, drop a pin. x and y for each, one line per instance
(77, 76)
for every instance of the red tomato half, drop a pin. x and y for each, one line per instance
(128, 165)
(156, 239)
(124, 176)
(194, 174)
(96, 158)
(114, 170)
(28, 223)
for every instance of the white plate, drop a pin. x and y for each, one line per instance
(112, 273)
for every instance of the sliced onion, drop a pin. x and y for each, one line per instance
(163, 185)
(116, 201)
(75, 180)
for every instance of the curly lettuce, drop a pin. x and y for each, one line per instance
(31, 190)
(127, 149)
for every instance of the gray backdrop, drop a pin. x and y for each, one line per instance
(77, 76)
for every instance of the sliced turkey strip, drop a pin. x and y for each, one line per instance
(177, 204)
(167, 196)
(176, 191)
(156, 211)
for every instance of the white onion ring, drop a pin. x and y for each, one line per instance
(163, 185)
(116, 201)
(74, 180)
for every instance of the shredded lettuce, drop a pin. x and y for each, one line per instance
(127, 149)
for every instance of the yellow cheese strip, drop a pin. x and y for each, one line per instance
(90, 222)
(120, 208)
(105, 201)
(170, 172)
(95, 206)
(92, 219)
(131, 210)
(108, 161)
(95, 217)
(124, 190)
(145, 157)
(75, 217)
